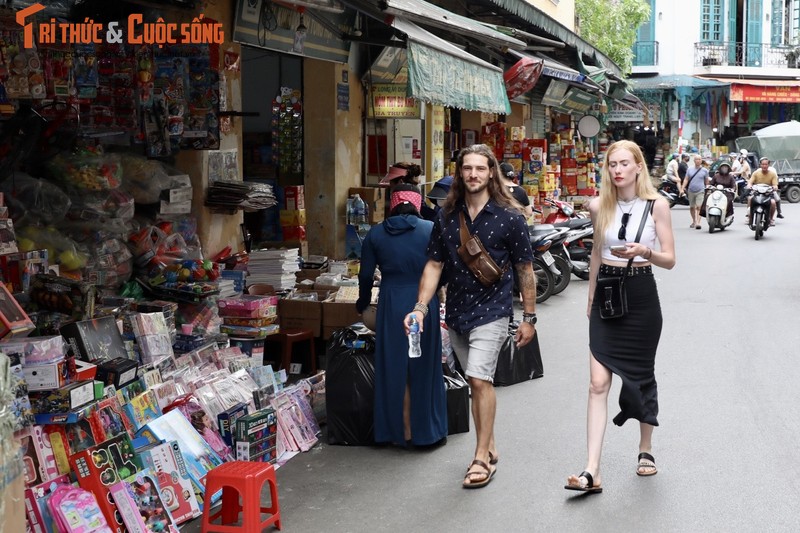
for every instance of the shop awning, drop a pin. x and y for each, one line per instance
(443, 74)
(428, 14)
(672, 81)
(541, 20)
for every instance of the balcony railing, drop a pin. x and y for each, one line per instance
(745, 55)
(645, 54)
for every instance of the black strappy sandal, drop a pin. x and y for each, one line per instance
(589, 487)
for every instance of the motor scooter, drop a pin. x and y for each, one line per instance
(560, 212)
(716, 207)
(578, 245)
(760, 208)
(669, 190)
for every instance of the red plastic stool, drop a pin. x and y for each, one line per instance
(287, 338)
(245, 479)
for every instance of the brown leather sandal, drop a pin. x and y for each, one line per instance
(488, 475)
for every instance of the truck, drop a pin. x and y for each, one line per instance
(781, 144)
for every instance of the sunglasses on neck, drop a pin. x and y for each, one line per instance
(622, 234)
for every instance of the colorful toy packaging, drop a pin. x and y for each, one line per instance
(140, 503)
(166, 461)
(103, 465)
(40, 518)
(76, 510)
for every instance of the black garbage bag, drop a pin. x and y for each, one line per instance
(515, 365)
(350, 386)
(457, 403)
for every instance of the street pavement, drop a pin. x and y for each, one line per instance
(727, 371)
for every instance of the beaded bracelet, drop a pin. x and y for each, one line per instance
(422, 308)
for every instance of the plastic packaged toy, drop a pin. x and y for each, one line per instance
(76, 510)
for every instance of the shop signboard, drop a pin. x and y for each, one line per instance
(391, 101)
(555, 93)
(626, 114)
(437, 144)
(577, 100)
(758, 93)
(256, 24)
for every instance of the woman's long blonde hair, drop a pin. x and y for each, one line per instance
(608, 190)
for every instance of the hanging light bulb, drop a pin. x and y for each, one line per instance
(300, 35)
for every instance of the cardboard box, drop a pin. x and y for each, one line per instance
(375, 198)
(95, 340)
(67, 398)
(294, 197)
(293, 217)
(337, 315)
(118, 371)
(175, 208)
(46, 377)
(301, 314)
(226, 422)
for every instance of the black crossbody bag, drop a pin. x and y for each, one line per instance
(612, 289)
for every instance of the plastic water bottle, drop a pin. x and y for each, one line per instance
(358, 210)
(414, 341)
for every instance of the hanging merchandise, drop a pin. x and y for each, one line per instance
(287, 131)
(179, 94)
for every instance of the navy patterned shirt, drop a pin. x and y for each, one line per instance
(504, 234)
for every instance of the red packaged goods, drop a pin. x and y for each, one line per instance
(522, 77)
(64, 295)
(103, 465)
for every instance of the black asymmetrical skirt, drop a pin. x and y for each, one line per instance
(627, 347)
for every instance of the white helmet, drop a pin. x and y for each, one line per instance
(743, 151)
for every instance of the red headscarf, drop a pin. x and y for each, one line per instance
(412, 197)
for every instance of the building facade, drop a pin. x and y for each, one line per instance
(719, 68)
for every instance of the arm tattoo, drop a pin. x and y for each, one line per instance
(527, 281)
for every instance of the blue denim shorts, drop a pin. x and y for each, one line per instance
(479, 348)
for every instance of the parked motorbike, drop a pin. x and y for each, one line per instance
(560, 211)
(760, 209)
(716, 208)
(669, 190)
(546, 240)
(578, 245)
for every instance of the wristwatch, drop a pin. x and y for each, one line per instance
(530, 318)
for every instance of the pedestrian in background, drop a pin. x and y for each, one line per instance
(509, 176)
(695, 184)
(477, 316)
(625, 346)
(410, 398)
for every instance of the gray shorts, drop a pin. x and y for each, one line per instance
(479, 348)
(695, 198)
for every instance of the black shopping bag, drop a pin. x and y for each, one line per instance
(350, 387)
(515, 365)
(457, 404)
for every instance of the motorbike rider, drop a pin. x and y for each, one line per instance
(766, 176)
(724, 177)
(672, 167)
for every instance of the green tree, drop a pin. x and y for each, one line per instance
(611, 25)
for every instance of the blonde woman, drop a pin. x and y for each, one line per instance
(625, 346)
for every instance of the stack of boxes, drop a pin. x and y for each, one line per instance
(293, 216)
(176, 199)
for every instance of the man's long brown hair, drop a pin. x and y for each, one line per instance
(497, 189)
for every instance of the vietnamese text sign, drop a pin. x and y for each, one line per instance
(390, 101)
(758, 93)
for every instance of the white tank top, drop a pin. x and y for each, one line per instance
(636, 208)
